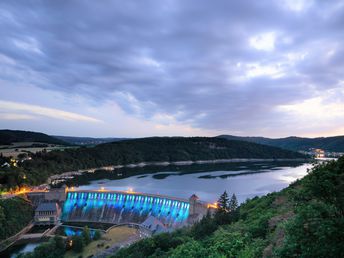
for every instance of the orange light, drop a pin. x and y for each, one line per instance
(102, 188)
(212, 205)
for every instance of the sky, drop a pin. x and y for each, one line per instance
(172, 67)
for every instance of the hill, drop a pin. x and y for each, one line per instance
(11, 136)
(152, 149)
(333, 144)
(15, 214)
(86, 140)
(304, 220)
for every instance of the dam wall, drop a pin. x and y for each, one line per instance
(124, 207)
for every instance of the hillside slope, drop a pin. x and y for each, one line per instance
(335, 143)
(304, 220)
(148, 150)
(15, 214)
(86, 140)
(11, 136)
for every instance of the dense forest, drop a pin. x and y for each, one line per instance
(10, 136)
(15, 214)
(304, 220)
(86, 140)
(334, 143)
(44, 164)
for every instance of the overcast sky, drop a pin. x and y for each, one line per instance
(188, 67)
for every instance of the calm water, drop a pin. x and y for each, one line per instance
(246, 180)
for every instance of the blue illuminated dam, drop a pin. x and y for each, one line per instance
(124, 207)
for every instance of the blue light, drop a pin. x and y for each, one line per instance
(118, 208)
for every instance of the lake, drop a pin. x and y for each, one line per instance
(207, 181)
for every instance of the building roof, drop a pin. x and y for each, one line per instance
(47, 206)
(194, 197)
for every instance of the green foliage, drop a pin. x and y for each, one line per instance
(157, 246)
(54, 248)
(78, 244)
(204, 228)
(97, 235)
(86, 235)
(227, 244)
(226, 212)
(233, 203)
(253, 250)
(223, 202)
(304, 220)
(15, 214)
(314, 232)
(189, 249)
(317, 228)
(12, 178)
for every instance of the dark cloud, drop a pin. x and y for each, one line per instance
(189, 59)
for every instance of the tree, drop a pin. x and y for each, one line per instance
(77, 244)
(97, 235)
(222, 215)
(223, 202)
(188, 250)
(233, 203)
(205, 227)
(59, 242)
(86, 235)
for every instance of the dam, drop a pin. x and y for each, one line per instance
(119, 207)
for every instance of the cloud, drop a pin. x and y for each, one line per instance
(265, 41)
(41, 111)
(14, 116)
(225, 66)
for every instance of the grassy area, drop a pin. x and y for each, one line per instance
(113, 236)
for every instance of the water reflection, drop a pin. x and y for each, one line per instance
(246, 180)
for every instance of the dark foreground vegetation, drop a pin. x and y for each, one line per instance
(155, 149)
(304, 220)
(57, 246)
(15, 214)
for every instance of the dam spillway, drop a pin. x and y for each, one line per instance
(123, 207)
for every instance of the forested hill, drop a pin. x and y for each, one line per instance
(335, 143)
(11, 136)
(304, 220)
(149, 150)
(86, 140)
